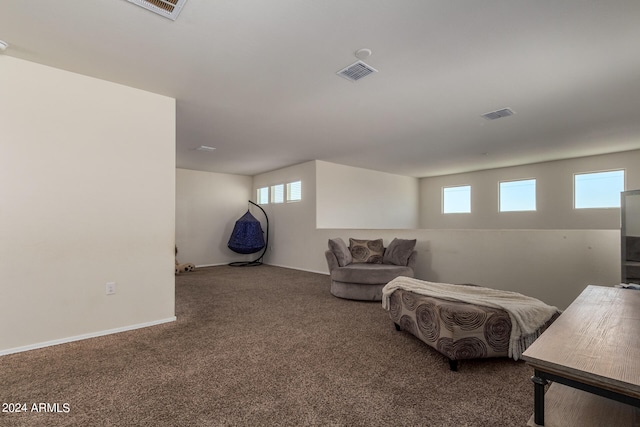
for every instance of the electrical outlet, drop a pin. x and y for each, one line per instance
(110, 288)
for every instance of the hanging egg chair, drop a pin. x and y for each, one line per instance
(247, 237)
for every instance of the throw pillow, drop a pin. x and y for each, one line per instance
(399, 251)
(341, 251)
(369, 251)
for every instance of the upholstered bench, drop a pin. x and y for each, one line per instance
(461, 330)
(457, 330)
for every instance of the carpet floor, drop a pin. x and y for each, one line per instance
(261, 346)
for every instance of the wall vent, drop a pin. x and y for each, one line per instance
(356, 71)
(505, 112)
(167, 8)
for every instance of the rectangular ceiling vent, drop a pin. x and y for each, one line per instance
(167, 8)
(356, 71)
(505, 112)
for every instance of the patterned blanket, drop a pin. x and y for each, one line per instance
(528, 315)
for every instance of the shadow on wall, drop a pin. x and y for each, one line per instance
(423, 263)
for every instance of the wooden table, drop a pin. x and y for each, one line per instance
(591, 353)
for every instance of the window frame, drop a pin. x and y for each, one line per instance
(277, 190)
(259, 198)
(443, 192)
(618, 199)
(535, 194)
(289, 199)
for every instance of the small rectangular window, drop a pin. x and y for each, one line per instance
(598, 189)
(294, 191)
(263, 196)
(456, 199)
(518, 195)
(277, 193)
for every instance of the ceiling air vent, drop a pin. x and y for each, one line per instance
(167, 8)
(505, 112)
(356, 71)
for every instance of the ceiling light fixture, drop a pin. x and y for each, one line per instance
(363, 53)
(493, 115)
(205, 148)
(3, 45)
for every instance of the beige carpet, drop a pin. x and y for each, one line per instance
(262, 346)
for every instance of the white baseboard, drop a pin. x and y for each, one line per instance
(274, 265)
(85, 336)
(298, 268)
(214, 265)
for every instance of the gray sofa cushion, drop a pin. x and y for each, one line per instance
(341, 251)
(399, 251)
(370, 274)
(367, 251)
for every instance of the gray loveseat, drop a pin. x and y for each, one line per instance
(360, 271)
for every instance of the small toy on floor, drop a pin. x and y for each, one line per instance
(185, 267)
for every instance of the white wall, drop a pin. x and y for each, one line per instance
(87, 183)
(349, 197)
(207, 206)
(553, 265)
(292, 236)
(554, 187)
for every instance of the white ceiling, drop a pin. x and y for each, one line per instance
(256, 78)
